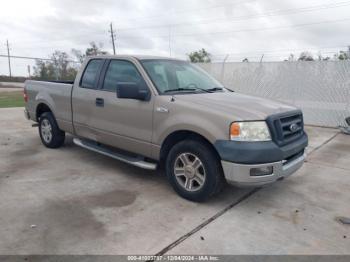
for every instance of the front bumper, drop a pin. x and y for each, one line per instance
(240, 174)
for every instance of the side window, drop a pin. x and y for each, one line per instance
(91, 74)
(121, 71)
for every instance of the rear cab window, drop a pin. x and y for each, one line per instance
(91, 74)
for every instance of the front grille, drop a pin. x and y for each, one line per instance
(287, 127)
(287, 123)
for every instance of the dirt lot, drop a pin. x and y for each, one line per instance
(72, 201)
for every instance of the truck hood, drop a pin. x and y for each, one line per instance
(242, 107)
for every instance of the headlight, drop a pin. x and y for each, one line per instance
(249, 131)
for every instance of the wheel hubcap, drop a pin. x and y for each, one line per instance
(46, 130)
(189, 172)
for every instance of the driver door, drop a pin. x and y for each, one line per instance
(123, 123)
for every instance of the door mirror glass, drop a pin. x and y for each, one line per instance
(131, 90)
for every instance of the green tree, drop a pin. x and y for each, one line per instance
(306, 56)
(343, 55)
(201, 56)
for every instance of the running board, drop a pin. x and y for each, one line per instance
(135, 161)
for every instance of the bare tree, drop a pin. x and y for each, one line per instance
(59, 67)
(78, 55)
(95, 50)
(291, 58)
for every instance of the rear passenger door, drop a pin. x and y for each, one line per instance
(123, 123)
(84, 99)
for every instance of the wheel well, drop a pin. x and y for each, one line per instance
(41, 108)
(178, 136)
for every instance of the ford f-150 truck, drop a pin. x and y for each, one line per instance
(150, 111)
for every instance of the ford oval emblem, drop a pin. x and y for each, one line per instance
(293, 127)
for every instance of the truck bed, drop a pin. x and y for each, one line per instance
(57, 93)
(58, 81)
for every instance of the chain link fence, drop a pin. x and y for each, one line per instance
(320, 88)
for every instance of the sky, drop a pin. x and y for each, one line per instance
(231, 29)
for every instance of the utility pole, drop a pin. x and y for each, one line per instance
(8, 56)
(170, 41)
(223, 68)
(112, 36)
(28, 68)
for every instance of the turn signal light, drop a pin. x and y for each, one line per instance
(25, 96)
(235, 130)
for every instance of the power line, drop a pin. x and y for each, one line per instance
(236, 31)
(266, 28)
(243, 30)
(112, 32)
(191, 10)
(247, 17)
(154, 17)
(35, 58)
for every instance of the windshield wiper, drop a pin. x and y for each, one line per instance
(211, 90)
(180, 89)
(188, 89)
(214, 89)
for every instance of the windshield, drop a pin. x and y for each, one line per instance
(179, 76)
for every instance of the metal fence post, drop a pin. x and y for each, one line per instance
(223, 69)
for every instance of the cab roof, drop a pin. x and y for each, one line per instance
(138, 57)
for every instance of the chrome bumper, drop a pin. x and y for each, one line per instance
(239, 174)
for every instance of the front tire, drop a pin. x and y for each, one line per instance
(194, 170)
(50, 134)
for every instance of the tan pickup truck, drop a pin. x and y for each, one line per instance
(151, 111)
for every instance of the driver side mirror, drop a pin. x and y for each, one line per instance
(131, 90)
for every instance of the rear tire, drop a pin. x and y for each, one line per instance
(194, 170)
(50, 134)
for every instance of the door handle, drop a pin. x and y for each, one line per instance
(100, 102)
